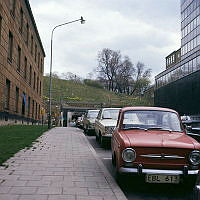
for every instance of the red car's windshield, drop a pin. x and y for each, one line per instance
(147, 119)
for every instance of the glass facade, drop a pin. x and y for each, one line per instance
(190, 45)
(179, 72)
(190, 29)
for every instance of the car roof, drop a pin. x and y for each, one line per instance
(93, 110)
(147, 108)
(111, 108)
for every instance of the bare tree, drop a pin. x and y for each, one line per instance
(120, 75)
(108, 64)
(92, 75)
(53, 75)
(124, 75)
(71, 76)
(141, 79)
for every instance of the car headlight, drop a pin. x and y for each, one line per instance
(128, 155)
(194, 157)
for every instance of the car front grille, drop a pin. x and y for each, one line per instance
(162, 156)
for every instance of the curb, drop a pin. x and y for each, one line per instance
(111, 181)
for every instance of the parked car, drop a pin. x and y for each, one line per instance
(79, 122)
(151, 142)
(192, 126)
(89, 120)
(105, 124)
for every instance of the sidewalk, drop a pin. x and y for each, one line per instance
(61, 166)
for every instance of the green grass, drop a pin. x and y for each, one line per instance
(15, 138)
(66, 90)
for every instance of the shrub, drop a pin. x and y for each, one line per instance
(93, 83)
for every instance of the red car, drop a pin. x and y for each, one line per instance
(152, 142)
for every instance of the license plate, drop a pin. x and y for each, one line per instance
(160, 178)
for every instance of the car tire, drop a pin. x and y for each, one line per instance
(113, 161)
(86, 130)
(196, 193)
(118, 177)
(97, 138)
(189, 182)
(102, 142)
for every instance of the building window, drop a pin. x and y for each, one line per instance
(0, 27)
(12, 7)
(30, 75)
(10, 46)
(29, 105)
(33, 107)
(37, 84)
(7, 94)
(27, 33)
(190, 66)
(21, 20)
(41, 66)
(17, 99)
(25, 68)
(36, 107)
(35, 53)
(18, 58)
(23, 103)
(31, 44)
(39, 112)
(40, 88)
(34, 78)
(38, 60)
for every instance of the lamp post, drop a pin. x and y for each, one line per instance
(50, 75)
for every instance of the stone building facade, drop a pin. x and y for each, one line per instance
(21, 64)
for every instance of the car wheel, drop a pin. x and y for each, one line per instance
(113, 160)
(97, 138)
(189, 182)
(102, 142)
(118, 177)
(86, 130)
(196, 193)
(192, 181)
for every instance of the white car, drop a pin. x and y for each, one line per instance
(105, 124)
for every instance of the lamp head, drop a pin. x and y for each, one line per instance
(82, 20)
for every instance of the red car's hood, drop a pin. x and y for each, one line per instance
(159, 139)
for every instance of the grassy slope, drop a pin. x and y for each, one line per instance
(15, 138)
(70, 91)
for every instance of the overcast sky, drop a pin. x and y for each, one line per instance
(144, 30)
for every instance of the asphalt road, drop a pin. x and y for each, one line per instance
(136, 188)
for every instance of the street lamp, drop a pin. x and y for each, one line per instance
(50, 75)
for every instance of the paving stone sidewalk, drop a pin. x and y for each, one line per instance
(62, 165)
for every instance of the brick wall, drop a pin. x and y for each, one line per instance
(12, 21)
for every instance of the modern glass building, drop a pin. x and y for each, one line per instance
(178, 87)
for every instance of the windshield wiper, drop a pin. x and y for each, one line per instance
(139, 128)
(159, 128)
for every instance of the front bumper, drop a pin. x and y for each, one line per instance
(157, 171)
